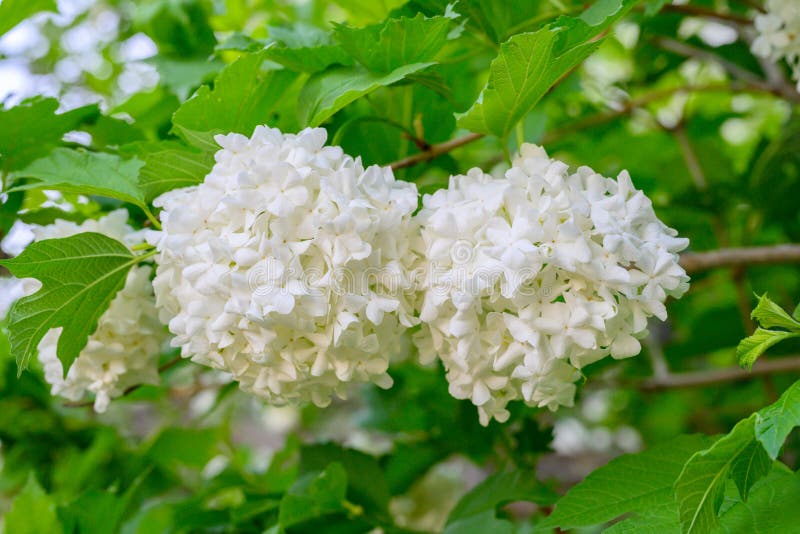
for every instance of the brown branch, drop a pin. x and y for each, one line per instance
(82, 404)
(435, 151)
(720, 376)
(697, 11)
(783, 89)
(628, 107)
(731, 257)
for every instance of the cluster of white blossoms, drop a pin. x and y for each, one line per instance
(289, 266)
(534, 275)
(125, 348)
(779, 34)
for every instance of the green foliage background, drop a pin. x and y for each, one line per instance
(707, 130)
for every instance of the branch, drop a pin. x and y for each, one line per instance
(720, 376)
(731, 257)
(630, 106)
(697, 11)
(783, 90)
(434, 151)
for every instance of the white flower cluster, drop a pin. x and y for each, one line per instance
(124, 349)
(288, 266)
(779, 34)
(532, 276)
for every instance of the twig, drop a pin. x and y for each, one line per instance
(720, 376)
(697, 11)
(783, 90)
(690, 157)
(731, 257)
(435, 151)
(169, 365)
(627, 108)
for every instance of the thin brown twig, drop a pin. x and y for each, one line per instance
(694, 262)
(782, 89)
(435, 151)
(168, 365)
(697, 11)
(720, 376)
(690, 158)
(627, 108)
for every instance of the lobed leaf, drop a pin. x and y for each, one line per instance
(529, 64)
(33, 128)
(88, 173)
(168, 165)
(32, 512)
(327, 92)
(700, 488)
(80, 275)
(396, 42)
(243, 97)
(770, 315)
(776, 421)
(752, 347)
(630, 483)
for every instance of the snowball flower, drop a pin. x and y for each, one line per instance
(779, 34)
(532, 276)
(125, 348)
(289, 266)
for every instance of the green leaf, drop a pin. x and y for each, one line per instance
(30, 130)
(305, 48)
(776, 421)
(396, 42)
(9, 211)
(700, 487)
(367, 11)
(327, 92)
(12, 12)
(366, 484)
(179, 27)
(770, 315)
(314, 495)
(660, 519)
(101, 511)
(630, 483)
(749, 466)
(168, 165)
(496, 19)
(244, 96)
(772, 507)
(483, 522)
(181, 75)
(750, 348)
(500, 489)
(32, 512)
(87, 173)
(80, 276)
(530, 63)
(796, 313)
(192, 447)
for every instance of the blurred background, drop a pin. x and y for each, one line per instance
(709, 131)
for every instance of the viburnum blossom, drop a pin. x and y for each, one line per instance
(779, 34)
(532, 276)
(125, 348)
(289, 266)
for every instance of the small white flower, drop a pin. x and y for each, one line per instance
(779, 34)
(290, 266)
(532, 276)
(125, 348)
